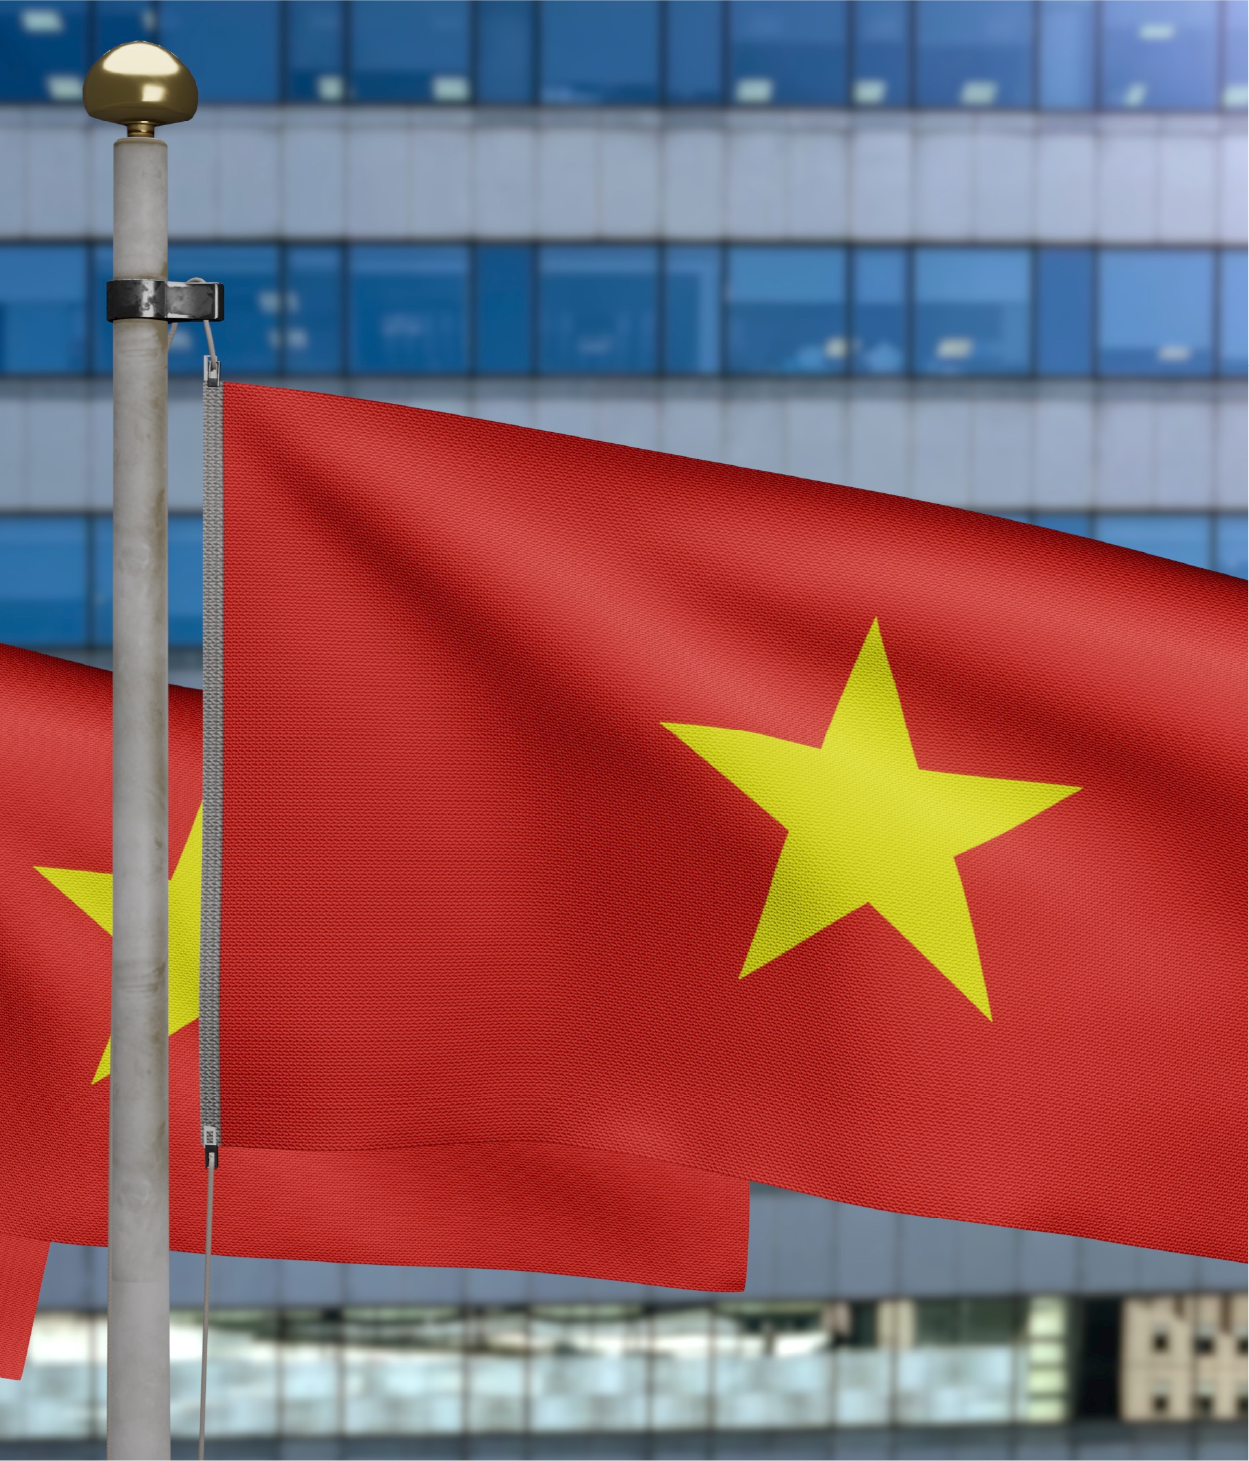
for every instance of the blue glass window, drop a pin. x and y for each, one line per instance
(505, 50)
(1235, 53)
(1231, 544)
(409, 309)
(600, 51)
(247, 339)
(100, 583)
(1233, 313)
(43, 50)
(694, 52)
(787, 311)
(99, 331)
(973, 53)
(503, 310)
(410, 50)
(186, 578)
(119, 21)
(788, 52)
(880, 67)
(972, 311)
(1079, 524)
(314, 51)
(43, 580)
(692, 310)
(231, 46)
(599, 310)
(879, 330)
(1068, 48)
(1064, 312)
(1155, 312)
(312, 332)
(1182, 536)
(1160, 54)
(43, 309)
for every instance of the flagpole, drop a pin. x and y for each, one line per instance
(139, 86)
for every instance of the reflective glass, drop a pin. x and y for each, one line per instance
(1233, 313)
(308, 1372)
(972, 312)
(409, 50)
(694, 52)
(879, 328)
(409, 309)
(1068, 50)
(587, 1370)
(787, 311)
(1235, 53)
(43, 579)
(692, 310)
(505, 50)
(1182, 536)
(788, 52)
(599, 310)
(498, 1347)
(242, 1374)
(774, 1367)
(99, 331)
(880, 65)
(403, 1372)
(314, 51)
(1231, 544)
(100, 583)
(43, 309)
(43, 50)
(312, 330)
(1160, 54)
(60, 1396)
(1064, 311)
(681, 1369)
(1155, 312)
(503, 310)
(974, 53)
(600, 51)
(231, 46)
(1079, 524)
(247, 339)
(117, 21)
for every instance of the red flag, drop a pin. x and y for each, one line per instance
(21, 1277)
(580, 794)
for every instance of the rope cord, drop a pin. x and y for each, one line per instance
(210, 1162)
(208, 329)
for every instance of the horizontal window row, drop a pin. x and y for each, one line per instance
(1055, 54)
(56, 573)
(643, 309)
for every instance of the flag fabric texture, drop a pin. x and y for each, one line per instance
(580, 794)
(547, 1207)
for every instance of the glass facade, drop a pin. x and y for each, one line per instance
(1167, 55)
(646, 309)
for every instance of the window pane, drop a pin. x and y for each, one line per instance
(1064, 316)
(599, 310)
(186, 578)
(1183, 536)
(313, 328)
(971, 311)
(1078, 523)
(600, 51)
(43, 580)
(880, 311)
(1235, 53)
(119, 21)
(1161, 54)
(694, 53)
(1067, 51)
(314, 51)
(787, 311)
(503, 328)
(974, 53)
(1233, 312)
(231, 46)
(43, 309)
(1155, 312)
(247, 339)
(403, 1373)
(409, 50)
(43, 51)
(774, 1367)
(505, 50)
(99, 331)
(1231, 544)
(880, 70)
(409, 309)
(791, 52)
(692, 310)
(100, 607)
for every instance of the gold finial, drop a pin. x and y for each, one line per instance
(142, 87)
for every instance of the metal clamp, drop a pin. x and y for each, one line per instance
(164, 299)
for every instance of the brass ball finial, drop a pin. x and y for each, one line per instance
(140, 86)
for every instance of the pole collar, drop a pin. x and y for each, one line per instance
(164, 299)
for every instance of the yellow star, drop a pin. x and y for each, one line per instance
(867, 825)
(93, 893)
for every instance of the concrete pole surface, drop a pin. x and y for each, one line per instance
(138, 1175)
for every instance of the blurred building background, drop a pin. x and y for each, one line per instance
(983, 252)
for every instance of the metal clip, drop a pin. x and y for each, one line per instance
(212, 377)
(164, 299)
